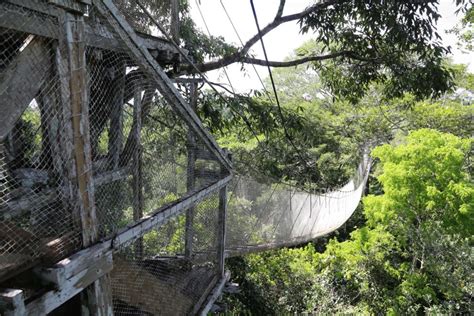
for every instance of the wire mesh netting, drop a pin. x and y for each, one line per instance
(271, 215)
(162, 273)
(36, 222)
(71, 177)
(142, 157)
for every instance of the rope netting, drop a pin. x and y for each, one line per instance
(272, 215)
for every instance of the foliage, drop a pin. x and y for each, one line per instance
(414, 255)
(465, 29)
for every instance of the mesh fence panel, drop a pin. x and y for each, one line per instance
(270, 215)
(154, 276)
(143, 157)
(36, 222)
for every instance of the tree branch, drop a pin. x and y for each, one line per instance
(296, 62)
(278, 20)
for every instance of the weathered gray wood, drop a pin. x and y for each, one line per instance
(74, 6)
(164, 84)
(137, 169)
(190, 176)
(12, 302)
(46, 25)
(72, 286)
(116, 117)
(25, 204)
(175, 20)
(99, 300)
(221, 227)
(111, 176)
(49, 103)
(21, 82)
(76, 272)
(217, 291)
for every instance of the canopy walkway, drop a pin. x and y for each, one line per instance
(114, 198)
(274, 215)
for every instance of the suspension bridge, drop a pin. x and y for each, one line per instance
(114, 198)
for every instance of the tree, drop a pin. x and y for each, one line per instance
(414, 254)
(377, 41)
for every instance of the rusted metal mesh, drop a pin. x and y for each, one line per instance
(142, 154)
(157, 276)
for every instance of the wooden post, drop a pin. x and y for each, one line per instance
(116, 118)
(175, 20)
(137, 169)
(221, 224)
(12, 303)
(75, 97)
(190, 180)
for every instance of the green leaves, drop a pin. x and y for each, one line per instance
(390, 42)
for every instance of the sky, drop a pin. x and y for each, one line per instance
(285, 38)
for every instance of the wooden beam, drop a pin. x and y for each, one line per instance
(175, 20)
(25, 204)
(116, 117)
(98, 293)
(164, 84)
(111, 176)
(49, 301)
(77, 269)
(190, 176)
(21, 82)
(221, 228)
(137, 169)
(45, 25)
(12, 302)
(216, 292)
(79, 261)
(71, 5)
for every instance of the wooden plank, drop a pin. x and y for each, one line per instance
(79, 261)
(46, 25)
(216, 292)
(25, 204)
(175, 20)
(164, 84)
(190, 176)
(99, 297)
(12, 302)
(116, 117)
(49, 301)
(21, 82)
(111, 176)
(137, 169)
(221, 228)
(77, 269)
(17, 207)
(70, 5)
